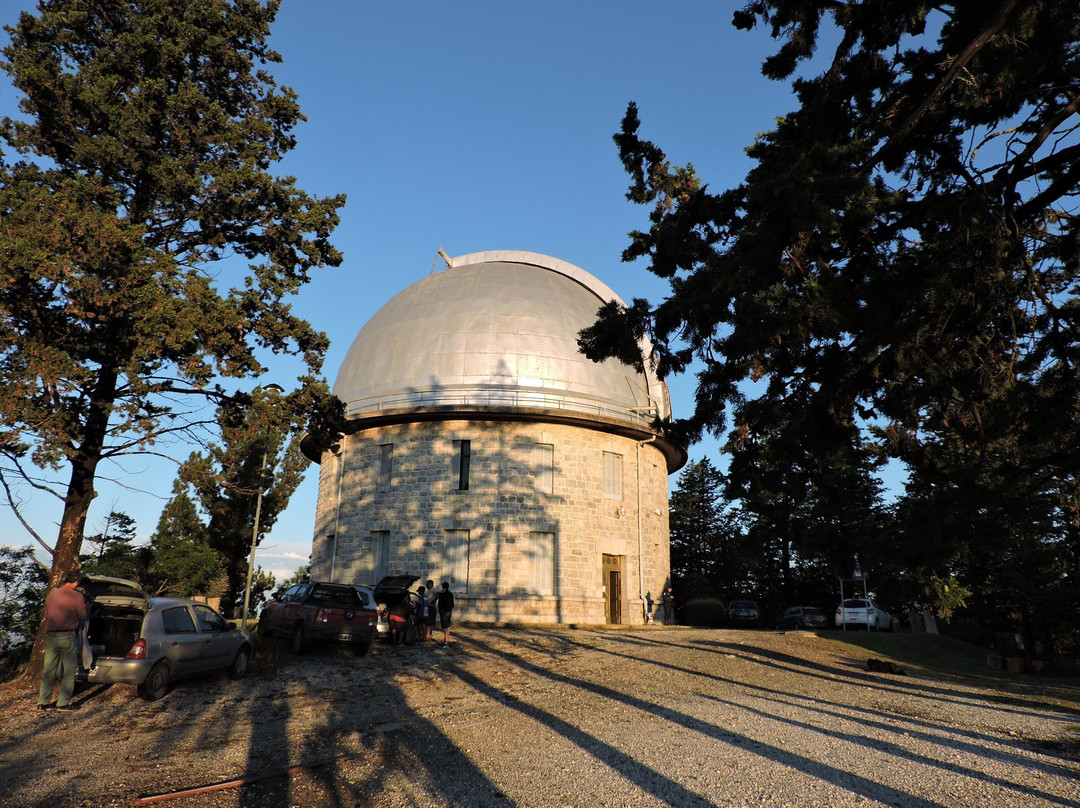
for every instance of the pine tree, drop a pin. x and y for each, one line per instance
(145, 149)
(902, 258)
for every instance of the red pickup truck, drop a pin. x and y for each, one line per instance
(316, 611)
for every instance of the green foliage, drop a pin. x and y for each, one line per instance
(114, 552)
(23, 584)
(698, 528)
(302, 572)
(947, 595)
(142, 188)
(703, 612)
(255, 457)
(184, 565)
(900, 264)
(262, 583)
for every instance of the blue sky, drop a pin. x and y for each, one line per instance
(474, 126)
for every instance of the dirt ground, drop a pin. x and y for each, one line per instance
(547, 717)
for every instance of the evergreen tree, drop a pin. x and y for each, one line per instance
(114, 552)
(145, 150)
(23, 583)
(184, 564)
(255, 456)
(902, 258)
(698, 528)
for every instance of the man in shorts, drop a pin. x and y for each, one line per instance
(444, 602)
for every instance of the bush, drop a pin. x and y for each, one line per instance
(23, 582)
(708, 612)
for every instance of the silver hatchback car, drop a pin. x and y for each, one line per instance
(134, 639)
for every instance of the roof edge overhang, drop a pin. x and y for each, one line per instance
(675, 457)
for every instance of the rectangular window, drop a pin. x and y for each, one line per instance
(544, 468)
(177, 621)
(456, 559)
(542, 575)
(380, 554)
(386, 466)
(462, 460)
(612, 475)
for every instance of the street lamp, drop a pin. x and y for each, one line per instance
(274, 389)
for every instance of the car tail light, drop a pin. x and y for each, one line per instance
(322, 616)
(138, 650)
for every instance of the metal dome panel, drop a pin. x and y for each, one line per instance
(494, 330)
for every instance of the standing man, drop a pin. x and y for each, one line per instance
(65, 608)
(432, 596)
(444, 601)
(420, 615)
(668, 601)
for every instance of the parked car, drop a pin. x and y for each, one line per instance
(803, 617)
(387, 592)
(150, 642)
(863, 613)
(743, 613)
(320, 611)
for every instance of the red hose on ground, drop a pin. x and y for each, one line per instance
(149, 799)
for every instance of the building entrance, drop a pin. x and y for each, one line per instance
(613, 588)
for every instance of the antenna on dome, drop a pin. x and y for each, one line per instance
(449, 261)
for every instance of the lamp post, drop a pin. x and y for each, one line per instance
(274, 389)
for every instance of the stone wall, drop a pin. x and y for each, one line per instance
(530, 555)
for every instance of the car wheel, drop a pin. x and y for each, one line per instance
(156, 683)
(239, 667)
(360, 649)
(298, 639)
(264, 629)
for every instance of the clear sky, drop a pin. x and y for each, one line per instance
(474, 126)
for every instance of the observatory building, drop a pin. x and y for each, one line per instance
(485, 450)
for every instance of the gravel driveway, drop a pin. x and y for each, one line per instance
(520, 717)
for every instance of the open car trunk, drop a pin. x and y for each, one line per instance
(117, 609)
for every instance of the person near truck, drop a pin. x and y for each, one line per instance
(65, 609)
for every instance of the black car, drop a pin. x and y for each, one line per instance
(803, 617)
(743, 613)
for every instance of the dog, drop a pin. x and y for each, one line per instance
(881, 666)
(266, 657)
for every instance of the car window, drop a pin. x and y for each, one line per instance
(792, 610)
(209, 620)
(812, 610)
(342, 598)
(177, 620)
(292, 593)
(365, 598)
(854, 604)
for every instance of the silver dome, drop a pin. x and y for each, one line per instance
(494, 331)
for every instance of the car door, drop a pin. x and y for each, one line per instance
(292, 606)
(218, 645)
(181, 640)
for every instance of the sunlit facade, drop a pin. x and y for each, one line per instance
(485, 450)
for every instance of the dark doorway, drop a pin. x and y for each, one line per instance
(613, 588)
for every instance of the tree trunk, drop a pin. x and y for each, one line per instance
(80, 494)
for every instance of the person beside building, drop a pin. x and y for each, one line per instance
(65, 609)
(399, 616)
(420, 616)
(668, 601)
(433, 612)
(444, 602)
